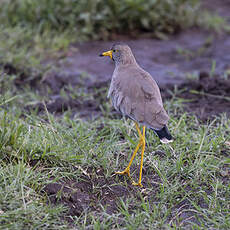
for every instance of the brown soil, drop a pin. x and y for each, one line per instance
(167, 61)
(94, 189)
(98, 194)
(206, 97)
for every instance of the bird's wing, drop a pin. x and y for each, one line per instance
(137, 95)
(155, 114)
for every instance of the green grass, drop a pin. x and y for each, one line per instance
(25, 48)
(96, 19)
(189, 179)
(22, 207)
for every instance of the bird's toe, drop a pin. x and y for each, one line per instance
(126, 171)
(137, 184)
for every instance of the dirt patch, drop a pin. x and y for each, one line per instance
(206, 97)
(167, 61)
(98, 194)
(96, 189)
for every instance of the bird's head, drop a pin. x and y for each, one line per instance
(120, 54)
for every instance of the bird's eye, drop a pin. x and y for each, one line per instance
(114, 50)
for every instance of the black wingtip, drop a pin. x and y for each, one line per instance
(101, 55)
(164, 134)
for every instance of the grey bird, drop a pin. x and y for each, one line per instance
(135, 94)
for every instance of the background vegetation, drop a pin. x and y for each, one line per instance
(95, 19)
(30, 30)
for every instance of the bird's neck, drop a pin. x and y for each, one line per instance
(126, 60)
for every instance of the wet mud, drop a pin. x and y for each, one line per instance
(94, 190)
(89, 193)
(193, 54)
(168, 61)
(206, 97)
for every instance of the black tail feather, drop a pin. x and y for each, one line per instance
(164, 134)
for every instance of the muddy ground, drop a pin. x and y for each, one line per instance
(194, 60)
(206, 97)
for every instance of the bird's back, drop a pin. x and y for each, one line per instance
(135, 94)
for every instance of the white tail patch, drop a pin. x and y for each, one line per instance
(165, 140)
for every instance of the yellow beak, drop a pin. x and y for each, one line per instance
(108, 53)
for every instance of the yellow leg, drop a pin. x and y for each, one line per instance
(142, 158)
(127, 170)
(138, 129)
(140, 143)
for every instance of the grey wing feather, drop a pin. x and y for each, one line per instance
(138, 97)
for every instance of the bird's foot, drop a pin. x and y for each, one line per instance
(137, 184)
(126, 171)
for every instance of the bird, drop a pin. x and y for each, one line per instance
(135, 94)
